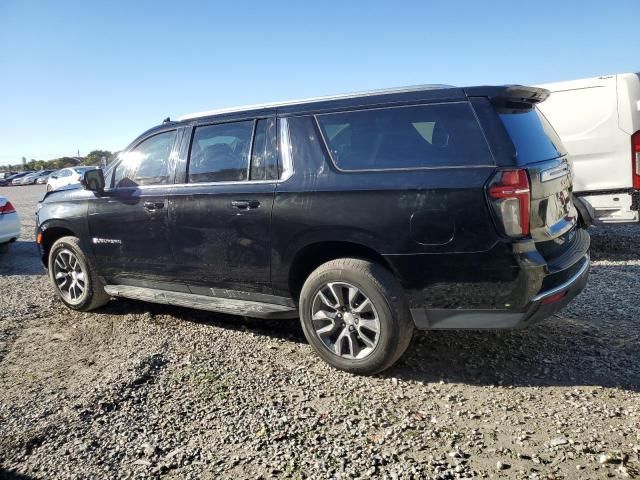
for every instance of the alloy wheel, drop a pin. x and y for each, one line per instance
(345, 320)
(69, 276)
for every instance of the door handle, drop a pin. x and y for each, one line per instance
(153, 205)
(245, 204)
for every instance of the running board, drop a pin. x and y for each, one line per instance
(245, 308)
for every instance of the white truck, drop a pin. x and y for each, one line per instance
(598, 120)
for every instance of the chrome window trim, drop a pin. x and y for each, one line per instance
(250, 153)
(285, 149)
(401, 169)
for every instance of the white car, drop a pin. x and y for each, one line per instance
(9, 224)
(598, 120)
(66, 176)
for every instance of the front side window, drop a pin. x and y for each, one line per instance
(147, 163)
(422, 136)
(220, 153)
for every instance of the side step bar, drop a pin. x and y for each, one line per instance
(203, 302)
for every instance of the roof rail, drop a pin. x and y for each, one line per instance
(261, 106)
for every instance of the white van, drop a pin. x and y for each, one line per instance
(598, 120)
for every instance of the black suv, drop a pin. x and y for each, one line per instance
(365, 215)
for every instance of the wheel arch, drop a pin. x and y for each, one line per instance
(50, 234)
(311, 256)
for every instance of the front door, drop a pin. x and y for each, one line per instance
(128, 224)
(220, 217)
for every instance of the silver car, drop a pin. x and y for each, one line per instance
(9, 224)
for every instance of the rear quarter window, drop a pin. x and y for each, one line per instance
(413, 137)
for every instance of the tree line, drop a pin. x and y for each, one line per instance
(93, 158)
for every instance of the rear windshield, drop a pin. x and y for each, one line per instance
(422, 136)
(532, 135)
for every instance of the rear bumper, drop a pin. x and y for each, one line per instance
(9, 227)
(537, 309)
(611, 206)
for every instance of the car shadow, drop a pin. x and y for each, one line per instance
(11, 475)
(286, 329)
(22, 258)
(559, 351)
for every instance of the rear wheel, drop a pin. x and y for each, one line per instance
(354, 314)
(73, 277)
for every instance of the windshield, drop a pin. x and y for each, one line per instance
(83, 169)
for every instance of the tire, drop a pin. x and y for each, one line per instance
(92, 295)
(386, 303)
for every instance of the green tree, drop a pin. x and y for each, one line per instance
(95, 157)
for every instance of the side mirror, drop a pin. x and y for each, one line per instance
(93, 180)
(53, 176)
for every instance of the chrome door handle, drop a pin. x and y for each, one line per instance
(153, 205)
(245, 204)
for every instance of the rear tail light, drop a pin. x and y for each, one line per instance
(510, 196)
(635, 159)
(7, 208)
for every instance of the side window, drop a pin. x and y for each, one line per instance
(220, 153)
(441, 135)
(65, 173)
(146, 164)
(264, 161)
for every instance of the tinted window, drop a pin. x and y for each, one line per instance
(147, 164)
(65, 173)
(220, 153)
(532, 135)
(405, 137)
(264, 160)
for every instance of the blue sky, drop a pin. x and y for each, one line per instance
(93, 75)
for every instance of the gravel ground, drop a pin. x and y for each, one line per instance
(136, 390)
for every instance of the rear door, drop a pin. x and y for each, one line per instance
(220, 213)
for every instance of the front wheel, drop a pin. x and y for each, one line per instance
(354, 314)
(73, 277)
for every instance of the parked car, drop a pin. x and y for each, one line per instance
(9, 224)
(15, 180)
(32, 178)
(7, 179)
(5, 175)
(365, 215)
(43, 179)
(598, 120)
(66, 176)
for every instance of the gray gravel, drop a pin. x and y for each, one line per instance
(141, 390)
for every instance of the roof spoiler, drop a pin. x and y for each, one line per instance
(510, 95)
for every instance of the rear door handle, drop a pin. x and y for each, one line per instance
(245, 204)
(153, 205)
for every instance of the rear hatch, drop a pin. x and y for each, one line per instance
(540, 152)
